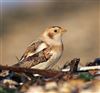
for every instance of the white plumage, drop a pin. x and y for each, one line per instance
(46, 51)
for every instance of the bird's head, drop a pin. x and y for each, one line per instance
(54, 33)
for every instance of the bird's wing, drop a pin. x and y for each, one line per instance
(32, 49)
(39, 57)
(36, 53)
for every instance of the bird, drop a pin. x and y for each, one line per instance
(45, 52)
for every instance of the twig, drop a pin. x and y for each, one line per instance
(87, 68)
(46, 73)
(51, 73)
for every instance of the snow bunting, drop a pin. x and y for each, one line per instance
(46, 51)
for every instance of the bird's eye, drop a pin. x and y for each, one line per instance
(55, 31)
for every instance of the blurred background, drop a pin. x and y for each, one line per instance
(22, 21)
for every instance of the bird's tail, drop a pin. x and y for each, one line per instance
(17, 59)
(18, 62)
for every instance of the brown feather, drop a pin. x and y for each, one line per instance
(50, 35)
(35, 59)
(32, 48)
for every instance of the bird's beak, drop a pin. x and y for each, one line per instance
(64, 30)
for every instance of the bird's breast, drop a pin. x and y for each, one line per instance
(56, 52)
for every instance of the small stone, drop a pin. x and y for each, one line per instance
(35, 89)
(51, 86)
